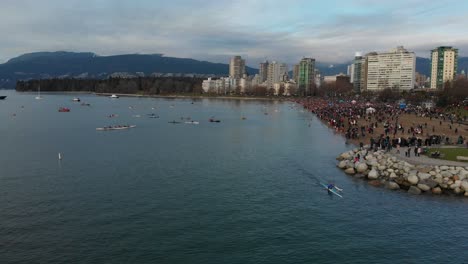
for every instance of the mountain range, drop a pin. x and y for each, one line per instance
(61, 64)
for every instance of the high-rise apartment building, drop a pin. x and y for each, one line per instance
(276, 73)
(444, 62)
(263, 71)
(236, 67)
(306, 76)
(394, 69)
(350, 72)
(296, 73)
(283, 70)
(357, 72)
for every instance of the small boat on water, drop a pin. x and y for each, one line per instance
(112, 115)
(214, 120)
(39, 97)
(64, 109)
(2, 97)
(334, 190)
(114, 96)
(192, 122)
(76, 99)
(85, 104)
(153, 116)
(174, 122)
(119, 127)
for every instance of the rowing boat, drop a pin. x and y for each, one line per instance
(192, 122)
(331, 191)
(114, 128)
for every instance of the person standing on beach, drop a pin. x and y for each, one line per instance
(409, 152)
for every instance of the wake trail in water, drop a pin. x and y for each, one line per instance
(314, 177)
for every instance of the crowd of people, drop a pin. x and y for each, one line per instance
(386, 126)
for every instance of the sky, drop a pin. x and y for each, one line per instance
(213, 30)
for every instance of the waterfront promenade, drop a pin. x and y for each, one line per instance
(425, 160)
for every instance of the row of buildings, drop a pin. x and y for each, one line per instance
(372, 72)
(273, 77)
(396, 69)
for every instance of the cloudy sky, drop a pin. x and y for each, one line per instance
(213, 30)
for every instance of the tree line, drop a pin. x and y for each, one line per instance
(141, 85)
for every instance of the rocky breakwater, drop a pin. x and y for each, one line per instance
(382, 169)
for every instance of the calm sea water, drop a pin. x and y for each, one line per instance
(238, 191)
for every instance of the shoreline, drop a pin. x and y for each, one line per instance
(192, 97)
(382, 169)
(170, 96)
(392, 170)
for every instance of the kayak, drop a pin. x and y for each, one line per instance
(331, 191)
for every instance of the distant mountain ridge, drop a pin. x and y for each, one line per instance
(62, 64)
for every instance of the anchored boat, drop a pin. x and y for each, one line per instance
(115, 127)
(64, 109)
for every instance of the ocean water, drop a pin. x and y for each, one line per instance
(238, 191)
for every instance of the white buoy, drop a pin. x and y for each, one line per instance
(60, 156)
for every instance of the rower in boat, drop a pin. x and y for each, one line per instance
(332, 186)
(332, 189)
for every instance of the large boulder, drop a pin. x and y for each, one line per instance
(424, 176)
(344, 156)
(423, 187)
(413, 179)
(373, 175)
(350, 171)
(463, 174)
(436, 190)
(414, 190)
(456, 184)
(464, 185)
(342, 164)
(431, 183)
(424, 169)
(392, 185)
(372, 162)
(443, 168)
(458, 190)
(361, 167)
(446, 174)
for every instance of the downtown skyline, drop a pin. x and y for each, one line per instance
(216, 30)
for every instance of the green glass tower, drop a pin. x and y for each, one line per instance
(306, 76)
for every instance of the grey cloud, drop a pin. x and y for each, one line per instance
(214, 30)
